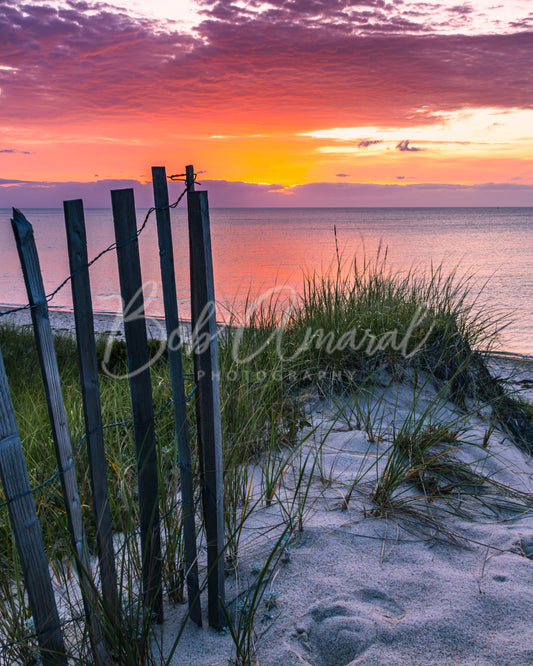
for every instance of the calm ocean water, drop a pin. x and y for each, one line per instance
(260, 248)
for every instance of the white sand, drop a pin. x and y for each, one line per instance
(362, 589)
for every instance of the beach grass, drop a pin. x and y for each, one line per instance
(353, 330)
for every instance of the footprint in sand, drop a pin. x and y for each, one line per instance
(524, 547)
(337, 630)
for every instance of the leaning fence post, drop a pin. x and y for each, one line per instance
(28, 536)
(129, 268)
(83, 316)
(204, 334)
(58, 420)
(168, 279)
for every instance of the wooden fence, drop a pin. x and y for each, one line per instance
(13, 471)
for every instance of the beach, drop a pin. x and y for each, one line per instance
(62, 321)
(410, 581)
(105, 324)
(416, 585)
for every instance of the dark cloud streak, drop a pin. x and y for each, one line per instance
(404, 147)
(231, 194)
(365, 143)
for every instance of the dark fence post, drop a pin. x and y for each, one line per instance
(28, 536)
(83, 316)
(168, 279)
(58, 419)
(129, 267)
(206, 370)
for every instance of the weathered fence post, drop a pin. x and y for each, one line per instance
(83, 316)
(129, 267)
(28, 536)
(168, 279)
(206, 370)
(58, 420)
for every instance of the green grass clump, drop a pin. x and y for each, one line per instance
(351, 322)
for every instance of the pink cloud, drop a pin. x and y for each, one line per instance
(278, 68)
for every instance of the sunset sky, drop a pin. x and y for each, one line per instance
(282, 103)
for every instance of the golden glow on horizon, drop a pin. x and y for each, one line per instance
(463, 147)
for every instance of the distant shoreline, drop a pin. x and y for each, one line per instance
(106, 323)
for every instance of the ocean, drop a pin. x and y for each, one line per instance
(256, 249)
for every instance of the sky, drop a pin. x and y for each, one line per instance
(275, 103)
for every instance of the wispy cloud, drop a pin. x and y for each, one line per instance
(12, 151)
(365, 143)
(464, 9)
